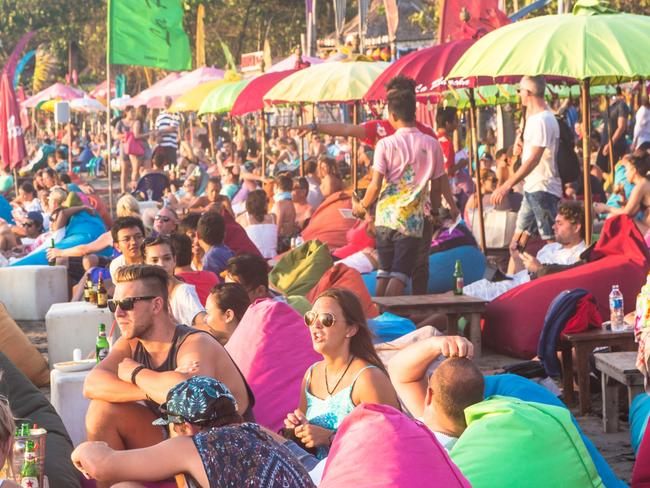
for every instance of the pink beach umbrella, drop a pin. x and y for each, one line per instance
(148, 95)
(100, 91)
(56, 91)
(183, 84)
(290, 63)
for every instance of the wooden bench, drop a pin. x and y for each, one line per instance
(617, 368)
(453, 306)
(584, 343)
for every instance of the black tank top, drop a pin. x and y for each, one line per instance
(181, 333)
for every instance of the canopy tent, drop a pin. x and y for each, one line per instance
(336, 82)
(594, 45)
(289, 63)
(57, 90)
(222, 98)
(251, 98)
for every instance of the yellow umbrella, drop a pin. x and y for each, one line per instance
(339, 81)
(49, 105)
(191, 101)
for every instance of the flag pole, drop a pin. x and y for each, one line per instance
(109, 168)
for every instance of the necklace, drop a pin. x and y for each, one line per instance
(327, 386)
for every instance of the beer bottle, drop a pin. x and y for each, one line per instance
(102, 293)
(459, 283)
(92, 292)
(29, 475)
(87, 288)
(101, 346)
(51, 262)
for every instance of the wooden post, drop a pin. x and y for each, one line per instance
(70, 144)
(479, 193)
(302, 143)
(355, 145)
(109, 169)
(211, 135)
(263, 148)
(586, 159)
(610, 145)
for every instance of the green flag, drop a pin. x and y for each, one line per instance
(148, 33)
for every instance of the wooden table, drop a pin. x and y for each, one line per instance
(617, 368)
(453, 306)
(584, 343)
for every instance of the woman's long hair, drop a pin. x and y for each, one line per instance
(361, 343)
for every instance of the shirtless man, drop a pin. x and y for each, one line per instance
(285, 213)
(151, 357)
(300, 203)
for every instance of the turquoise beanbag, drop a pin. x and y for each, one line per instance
(5, 210)
(441, 269)
(388, 327)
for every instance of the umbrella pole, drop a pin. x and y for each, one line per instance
(16, 181)
(586, 156)
(263, 148)
(477, 172)
(302, 143)
(211, 135)
(355, 144)
(109, 169)
(610, 145)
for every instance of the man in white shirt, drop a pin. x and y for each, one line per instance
(539, 172)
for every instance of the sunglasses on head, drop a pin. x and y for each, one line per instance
(325, 318)
(125, 304)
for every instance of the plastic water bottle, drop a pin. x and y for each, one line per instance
(616, 309)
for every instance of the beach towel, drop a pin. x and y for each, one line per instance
(298, 271)
(272, 348)
(378, 446)
(341, 276)
(512, 443)
(513, 321)
(512, 385)
(327, 224)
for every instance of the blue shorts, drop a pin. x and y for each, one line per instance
(537, 213)
(397, 254)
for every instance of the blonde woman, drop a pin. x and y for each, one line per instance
(7, 430)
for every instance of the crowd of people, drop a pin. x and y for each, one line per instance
(169, 399)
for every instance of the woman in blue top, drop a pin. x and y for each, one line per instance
(349, 374)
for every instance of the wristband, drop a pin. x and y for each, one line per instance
(135, 372)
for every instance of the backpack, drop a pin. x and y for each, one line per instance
(568, 165)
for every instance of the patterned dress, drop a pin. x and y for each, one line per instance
(244, 456)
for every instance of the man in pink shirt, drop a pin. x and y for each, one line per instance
(408, 171)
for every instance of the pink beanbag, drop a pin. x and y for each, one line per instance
(376, 445)
(273, 350)
(513, 321)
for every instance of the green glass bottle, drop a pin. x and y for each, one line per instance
(51, 262)
(29, 473)
(459, 282)
(101, 346)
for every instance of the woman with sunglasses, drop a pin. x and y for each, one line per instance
(349, 374)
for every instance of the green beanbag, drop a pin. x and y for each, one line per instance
(299, 270)
(512, 443)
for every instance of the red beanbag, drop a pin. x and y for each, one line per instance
(273, 350)
(342, 276)
(327, 224)
(378, 446)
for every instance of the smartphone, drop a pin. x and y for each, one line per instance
(522, 242)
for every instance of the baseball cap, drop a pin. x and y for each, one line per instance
(36, 217)
(194, 401)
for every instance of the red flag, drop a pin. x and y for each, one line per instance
(464, 19)
(12, 141)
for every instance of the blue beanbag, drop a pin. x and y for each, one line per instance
(639, 415)
(388, 327)
(82, 228)
(516, 386)
(5, 210)
(441, 269)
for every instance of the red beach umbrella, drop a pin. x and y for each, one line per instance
(251, 98)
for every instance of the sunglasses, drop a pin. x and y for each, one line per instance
(162, 219)
(125, 304)
(27, 224)
(325, 318)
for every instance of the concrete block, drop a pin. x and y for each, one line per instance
(29, 291)
(69, 402)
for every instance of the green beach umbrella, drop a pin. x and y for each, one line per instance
(222, 98)
(594, 44)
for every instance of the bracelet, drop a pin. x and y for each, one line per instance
(135, 372)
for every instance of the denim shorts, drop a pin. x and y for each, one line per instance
(537, 213)
(397, 254)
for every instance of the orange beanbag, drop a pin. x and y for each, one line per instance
(342, 276)
(327, 224)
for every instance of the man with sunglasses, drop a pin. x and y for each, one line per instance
(152, 355)
(165, 222)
